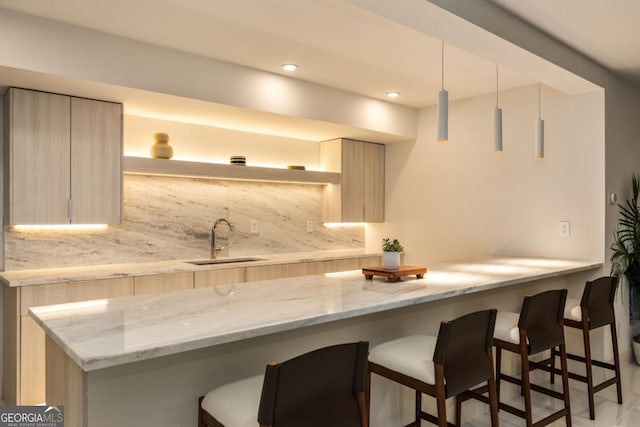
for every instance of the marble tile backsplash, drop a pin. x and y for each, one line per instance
(170, 218)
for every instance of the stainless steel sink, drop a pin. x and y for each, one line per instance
(223, 260)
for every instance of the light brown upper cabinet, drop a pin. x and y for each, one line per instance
(63, 159)
(360, 195)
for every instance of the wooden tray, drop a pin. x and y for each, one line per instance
(394, 275)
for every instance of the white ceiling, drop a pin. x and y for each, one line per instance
(334, 42)
(606, 31)
(338, 44)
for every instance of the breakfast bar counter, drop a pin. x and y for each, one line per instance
(204, 334)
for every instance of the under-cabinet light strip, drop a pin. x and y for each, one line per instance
(59, 227)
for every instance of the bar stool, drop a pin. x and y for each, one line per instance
(325, 387)
(537, 328)
(458, 359)
(593, 311)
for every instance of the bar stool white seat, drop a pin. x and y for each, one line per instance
(235, 404)
(572, 310)
(594, 310)
(538, 327)
(449, 365)
(507, 327)
(411, 356)
(324, 387)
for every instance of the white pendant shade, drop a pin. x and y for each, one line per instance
(443, 116)
(497, 129)
(540, 139)
(539, 127)
(443, 107)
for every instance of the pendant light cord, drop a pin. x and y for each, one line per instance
(497, 89)
(442, 64)
(539, 103)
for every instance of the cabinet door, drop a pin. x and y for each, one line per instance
(32, 366)
(96, 162)
(373, 182)
(345, 264)
(37, 158)
(353, 181)
(305, 268)
(223, 276)
(266, 272)
(158, 283)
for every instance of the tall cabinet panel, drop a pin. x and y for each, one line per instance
(360, 195)
(96, 161)
(37, 158)
(373, 182)
(352, 180)
(63, 159)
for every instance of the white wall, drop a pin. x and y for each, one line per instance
(461, 199)
(46, 46)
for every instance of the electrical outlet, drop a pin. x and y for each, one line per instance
(309, 226)
(565, 228)
(254, 226)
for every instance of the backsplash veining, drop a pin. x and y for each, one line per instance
(170, 218)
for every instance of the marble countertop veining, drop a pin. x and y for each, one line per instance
(110, 271)
(103, 333)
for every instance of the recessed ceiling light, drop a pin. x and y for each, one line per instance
(289, 67)
(393, 94)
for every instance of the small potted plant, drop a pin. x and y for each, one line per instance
(391, 253)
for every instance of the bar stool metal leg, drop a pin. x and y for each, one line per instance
(498, 372)
(589, 365)
(565, 383)
(525, 386)
(616, 360)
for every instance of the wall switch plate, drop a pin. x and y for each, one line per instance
(565, 228)
(254, 226)
(309, 226)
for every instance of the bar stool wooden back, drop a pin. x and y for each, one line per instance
(593, 311)
(537, 328)
(460, 358)
(325, 387)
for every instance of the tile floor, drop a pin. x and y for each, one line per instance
(608, 412)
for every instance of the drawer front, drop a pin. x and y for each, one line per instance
(58, 293)
(306, 268)
(343, 264)
(163, 283)
(266, 272)
(370, 261)
(226, 276)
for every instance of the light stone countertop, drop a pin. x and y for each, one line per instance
(104, 333)
(110, 271)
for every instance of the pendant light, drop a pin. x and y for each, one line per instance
(539, 130)
(497, 121)
(443, 108)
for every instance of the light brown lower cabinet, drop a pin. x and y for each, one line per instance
(265, 272)
(347, 264)
(24, 340)
(24, 359)
(158, 283)
(224, 276)
(306, 268)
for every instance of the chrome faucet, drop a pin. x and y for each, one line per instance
(214, 249)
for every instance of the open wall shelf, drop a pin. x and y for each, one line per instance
(147, 166)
